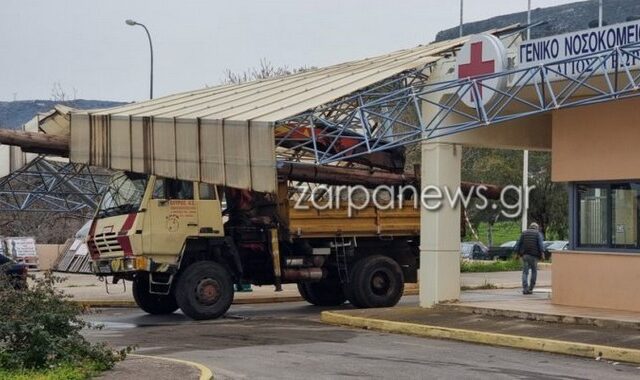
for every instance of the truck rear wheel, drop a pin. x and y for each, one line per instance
(152, 303)
(204, 290)
(322, 293)
(376, 281)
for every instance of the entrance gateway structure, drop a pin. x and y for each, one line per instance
(491, 90)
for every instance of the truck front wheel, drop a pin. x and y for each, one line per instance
(204, 290)
(376, 281)
(322, 293)
(152, 303)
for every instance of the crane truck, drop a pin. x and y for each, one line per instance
(182, 247)
(184, 244)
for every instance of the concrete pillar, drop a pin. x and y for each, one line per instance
(439, 275)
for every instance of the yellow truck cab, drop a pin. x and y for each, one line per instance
(170, 238)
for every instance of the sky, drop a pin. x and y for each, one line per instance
(87, 48)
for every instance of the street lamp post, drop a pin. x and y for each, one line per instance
(133, 23)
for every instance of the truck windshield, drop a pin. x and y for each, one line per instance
(123, 195)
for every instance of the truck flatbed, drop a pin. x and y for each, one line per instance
(368, 222)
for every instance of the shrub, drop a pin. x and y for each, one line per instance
(40, 328)
(513, 264)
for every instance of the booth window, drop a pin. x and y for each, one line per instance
(607, 215)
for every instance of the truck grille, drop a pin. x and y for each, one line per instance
(104, 244)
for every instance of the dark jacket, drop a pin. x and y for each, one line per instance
(530, 243)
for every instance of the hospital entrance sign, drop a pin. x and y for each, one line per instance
(482, 55)
(567, 48)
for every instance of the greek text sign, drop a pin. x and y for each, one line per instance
(541, 51)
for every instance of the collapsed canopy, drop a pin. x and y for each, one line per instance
(225, 135)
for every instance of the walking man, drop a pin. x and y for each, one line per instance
(530, 248)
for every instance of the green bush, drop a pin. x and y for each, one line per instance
(40, 329)
(491, 266)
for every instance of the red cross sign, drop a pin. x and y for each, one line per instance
(477, 66)
(482, 54)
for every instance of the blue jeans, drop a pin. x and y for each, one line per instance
(529, 263)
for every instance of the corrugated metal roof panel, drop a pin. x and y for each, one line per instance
(267, 99)
(224, 135)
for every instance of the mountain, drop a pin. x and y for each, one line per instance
(559, 19)
(14, 114)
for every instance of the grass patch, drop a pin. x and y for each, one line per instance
(484, 286)
(64, 371)
(490, 266)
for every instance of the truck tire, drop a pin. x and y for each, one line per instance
(322, 293)
(347, 287)
(152, 303)
(204, 290)
(376, 281)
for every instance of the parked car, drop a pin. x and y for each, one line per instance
(503, 252)
(474, 250)
(17, 273)
(509, 244)
(554, 245)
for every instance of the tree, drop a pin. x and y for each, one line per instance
(264, 70)
(490, 166)
(549, 201)
(59, 94)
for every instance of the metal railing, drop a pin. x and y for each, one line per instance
(389, 114)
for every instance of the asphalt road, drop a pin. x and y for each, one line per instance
(287, 341)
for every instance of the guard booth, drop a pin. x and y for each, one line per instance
(572, 95)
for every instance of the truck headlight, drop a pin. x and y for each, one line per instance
(128, 264)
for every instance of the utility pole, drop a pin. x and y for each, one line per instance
(528, 19)
(600, 13)
(461, 15)
(525, 153)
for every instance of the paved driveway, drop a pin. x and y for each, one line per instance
(286, 341)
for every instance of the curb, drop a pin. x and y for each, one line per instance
(494, 339)
(411, 291)
(205, 373)
(544, 317)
